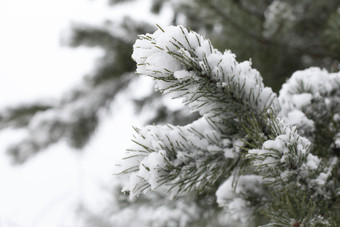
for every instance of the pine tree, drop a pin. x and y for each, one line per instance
(270, 161)
(281, 37)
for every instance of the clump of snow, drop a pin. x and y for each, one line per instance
(278, 15)
(312, 162)
(183, 74)
(310, 96)
(319, 183)
(278, 152)
(233, 148)
(234, 199)
(299, 119)
(305, 85)
(301, 100)
(337, 140)
(336, 117)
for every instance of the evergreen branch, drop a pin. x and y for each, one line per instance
(247, 10)
(240, 132)
(176, 163)
(73, 119)
(236, 25)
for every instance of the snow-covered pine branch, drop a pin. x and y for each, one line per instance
(185, 64)
(173, 158)
(224, 92)
(242, 134)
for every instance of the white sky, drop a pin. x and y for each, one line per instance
(42, 193)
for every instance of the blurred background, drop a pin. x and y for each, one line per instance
(69, 97)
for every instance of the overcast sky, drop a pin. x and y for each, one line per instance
(33, 65)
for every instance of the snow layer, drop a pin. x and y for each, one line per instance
(311, 97)
(234, 199)
(306, 85)
(278, 15)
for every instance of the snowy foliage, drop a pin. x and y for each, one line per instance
(73, 119)
(250, 148)
(178, 56)
(278, 13)
(237, 200)
(157, 209)
(171, 152)
(308, 93)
